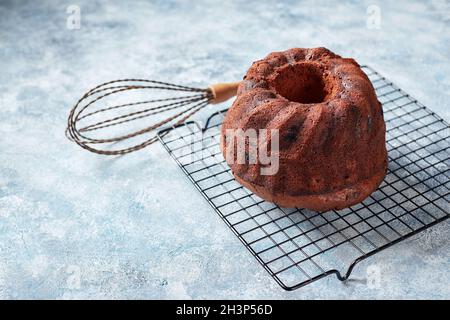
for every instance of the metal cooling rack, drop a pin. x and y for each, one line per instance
(298, 246)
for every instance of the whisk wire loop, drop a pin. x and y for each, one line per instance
(87, 108)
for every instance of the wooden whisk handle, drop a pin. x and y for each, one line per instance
(223, 91)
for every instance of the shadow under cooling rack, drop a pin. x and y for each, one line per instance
(298, 246)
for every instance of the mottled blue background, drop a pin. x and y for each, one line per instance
(78, 225)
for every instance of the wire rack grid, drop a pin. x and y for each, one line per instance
(298, 246)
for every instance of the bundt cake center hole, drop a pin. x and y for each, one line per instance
(303, 83)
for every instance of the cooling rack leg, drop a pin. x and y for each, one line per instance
(339, 275)
(348, 273)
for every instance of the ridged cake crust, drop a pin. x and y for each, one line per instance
(332, 149)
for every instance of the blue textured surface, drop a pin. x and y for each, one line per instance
(77, 225)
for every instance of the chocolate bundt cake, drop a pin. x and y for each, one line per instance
(331, 132)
